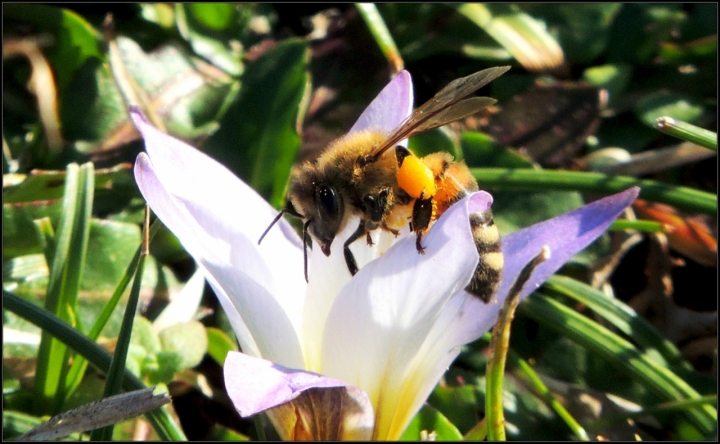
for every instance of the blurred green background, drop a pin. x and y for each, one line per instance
(262, 86)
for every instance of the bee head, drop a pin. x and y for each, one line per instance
(328, 216)
(321, 205)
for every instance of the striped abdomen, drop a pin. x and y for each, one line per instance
(489, 268)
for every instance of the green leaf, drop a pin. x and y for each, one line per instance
(258, 137)
(219, 344)
(623, 318)
(458, 404)
(113, 245)
(208, 27)
(524, 37)
(116, 370)
(582, 30)
(76, 41)
(613, 78)
(677, 106)
(68, 260)
(160, 419)
(144, 336)
(431, 420)
(381, 34)
(188, 340)
(43, 185)
(526, 179)
(686, 131)
(433, 141)
(659, 379)
(20, 238)
(168, 362)
(480, 150)
(638, 29)
(215, 16)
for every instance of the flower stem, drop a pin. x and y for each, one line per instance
(499, 346)
(529, 179)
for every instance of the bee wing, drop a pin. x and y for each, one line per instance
(461, 109)
(440, 110)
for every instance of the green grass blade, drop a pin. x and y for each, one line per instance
(76, 262)
(530, 179)
(686, 131)
(51, 354)
(552, 402)
(117, 366)
(160, 419)
(664, 408)
(661, 380)
(381, 34)
(77, 370)
(622, 317)
(648, 226)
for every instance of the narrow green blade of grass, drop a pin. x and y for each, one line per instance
(598, 339)
(648, 226)
(551, 401)
(51, 352)
(381, 34)
(686, 131)
(160, 419)
(117, 366)
(665, 407)
(622, 317)
(68, 261)
(77, 370)
(529, 179)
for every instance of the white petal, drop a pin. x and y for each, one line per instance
(224, 203)
(263, 326)
(327, 276)
(463, 319)
(387, 311)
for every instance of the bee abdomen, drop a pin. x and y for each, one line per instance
(488, 272)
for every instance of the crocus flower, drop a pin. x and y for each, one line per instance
(341, 357)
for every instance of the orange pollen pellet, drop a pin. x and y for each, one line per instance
(415, 178)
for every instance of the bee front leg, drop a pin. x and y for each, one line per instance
(422, 214)
(349, 258)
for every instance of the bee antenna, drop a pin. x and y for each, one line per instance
(305, 244)
(277, 218)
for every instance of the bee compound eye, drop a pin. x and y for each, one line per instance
(327, 201)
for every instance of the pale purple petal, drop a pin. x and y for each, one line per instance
(385, 313)
(566, 235)
(214, 230)
(390, 108)
(256, 385)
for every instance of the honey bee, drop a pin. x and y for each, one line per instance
(368, 175)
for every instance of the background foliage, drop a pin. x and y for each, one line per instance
(625, 340)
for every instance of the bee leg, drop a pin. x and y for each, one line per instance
(421, 217)
(375, 206)
(418, 245)
(349, 258)
(395, 233)
(368, 238)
